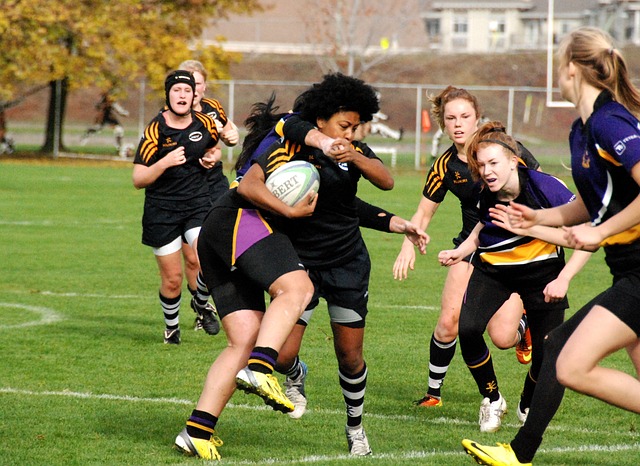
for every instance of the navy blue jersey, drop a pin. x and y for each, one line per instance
(449, 173)
(501, 250)
(603, 152)
(329, 236)
(182, 182)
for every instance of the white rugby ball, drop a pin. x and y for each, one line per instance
(293, 181)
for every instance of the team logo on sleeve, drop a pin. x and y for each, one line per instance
(619, 147)
(195, 136)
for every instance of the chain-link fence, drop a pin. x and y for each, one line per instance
(521, 109)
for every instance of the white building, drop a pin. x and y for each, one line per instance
(410, 26)
(506, 25)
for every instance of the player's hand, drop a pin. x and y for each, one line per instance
(500, 217)
(555, 290)
(406, 260)
(584, 237)
(176, 157)
(304, 207)
(449, 257)
(230, 135)
(211, 157)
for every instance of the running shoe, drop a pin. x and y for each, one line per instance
(357, 441)
(522, 414)
(491, 414)
(190, 446)
(501, 455)
(429, 401)
(172, 336)
(523, 347)
(266, 386)
(294, 390)
(206, 318)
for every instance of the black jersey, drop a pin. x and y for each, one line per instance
(449, 173)
(214, 109)
(182, 182)
(328, 238)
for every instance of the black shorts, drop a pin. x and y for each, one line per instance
(218, 183)
(241, 256)
(345, 288)
(163, 221)
(623, 300)
(487, 292)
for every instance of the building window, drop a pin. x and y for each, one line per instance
(460, 25)
(497, 26)
(433, 28)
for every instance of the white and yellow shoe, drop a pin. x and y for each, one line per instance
(266, 386)
(500, 455)
(202, 448)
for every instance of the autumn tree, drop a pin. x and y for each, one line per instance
(353, 36)
(70, 44)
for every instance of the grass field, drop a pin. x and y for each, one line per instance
(85, 377)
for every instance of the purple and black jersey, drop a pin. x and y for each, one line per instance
(500, 249)
(603, 152)
(449, 173)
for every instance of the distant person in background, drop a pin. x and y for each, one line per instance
(6, 143)
(172, 168)
(108, 112)
(216, 179)
(376, 126)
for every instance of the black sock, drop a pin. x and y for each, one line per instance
(201, 424)
(263, 360)
(484, 375)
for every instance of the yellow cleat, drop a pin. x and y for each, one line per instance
(500, 455)
(202, 448)
(266, 386)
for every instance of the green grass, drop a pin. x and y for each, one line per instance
(86, 379)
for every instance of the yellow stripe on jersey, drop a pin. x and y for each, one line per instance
(209, 123)
(624, 237)
(279, 129)
(282, 155)
(150, 145)
(605, 155)
(533, 251)
(434, 181)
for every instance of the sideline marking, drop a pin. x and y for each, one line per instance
(420, 454)
(47, 315)
(140, 296)
(338, 412)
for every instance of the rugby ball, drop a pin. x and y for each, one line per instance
(293, 181)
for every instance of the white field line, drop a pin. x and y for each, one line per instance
(47, 315)
(337, 412)
(154, 297)
(419, 454)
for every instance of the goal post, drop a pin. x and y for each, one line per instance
(550, 81)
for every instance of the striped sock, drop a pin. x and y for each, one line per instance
(353, 389)
(170, 309)
(263, 360)
(201, 424)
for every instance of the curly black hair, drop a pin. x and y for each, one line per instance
(337, 93)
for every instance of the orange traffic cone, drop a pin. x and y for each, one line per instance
(426, 121)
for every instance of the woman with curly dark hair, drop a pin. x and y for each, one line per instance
(329, 242)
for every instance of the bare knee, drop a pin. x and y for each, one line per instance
(447, 327)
